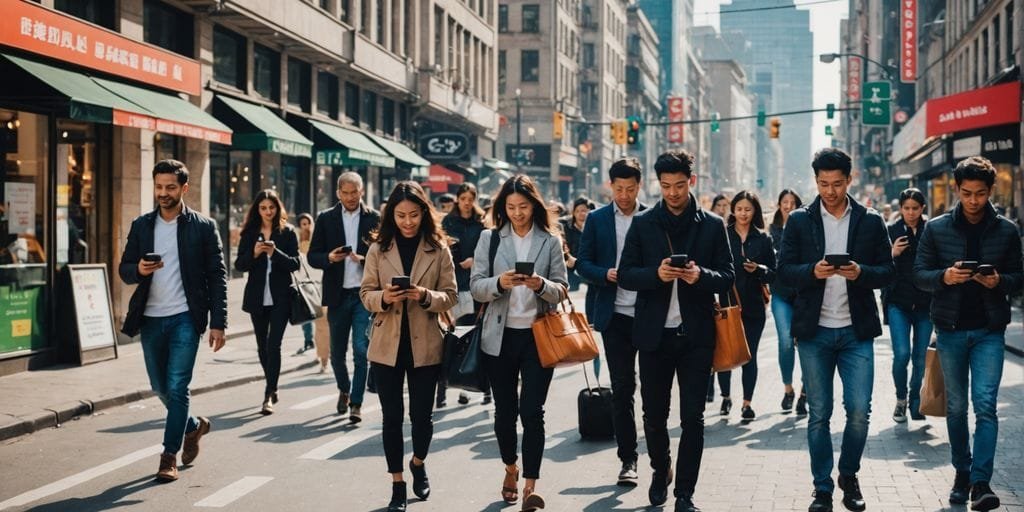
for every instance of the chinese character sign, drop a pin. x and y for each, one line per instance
(908, 41)
(676, 112)
(854, 66)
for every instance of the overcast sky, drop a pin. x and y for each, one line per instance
(825, 18)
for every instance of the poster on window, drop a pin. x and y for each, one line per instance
(21, 207)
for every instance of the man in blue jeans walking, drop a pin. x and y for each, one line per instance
(970, 259)
(174, 255)
(338, 247)
(835, 253)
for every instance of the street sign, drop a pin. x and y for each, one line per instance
(900, 116)
(676, 112)
(874, 107)
(444, 146)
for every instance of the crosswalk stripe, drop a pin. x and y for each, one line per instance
(340, 444)
(310, 404)
(234, 491)
(80, 478)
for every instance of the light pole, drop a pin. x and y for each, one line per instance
(519, 131)
(829, 58)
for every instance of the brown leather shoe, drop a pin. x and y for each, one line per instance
(190, 450)
(532, 502)
(168, 471)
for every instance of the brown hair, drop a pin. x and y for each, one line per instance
(522, 184)
(253, 221)
(430, 226)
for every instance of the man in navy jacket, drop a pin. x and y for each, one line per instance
(835, 319)
(612, 306)
(673, 328)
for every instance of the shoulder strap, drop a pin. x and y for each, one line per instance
(492, 251)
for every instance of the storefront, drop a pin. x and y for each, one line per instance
(340, 149)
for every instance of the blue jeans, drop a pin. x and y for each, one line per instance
(900, 323)
(349, 316)
(980, 354)
(169, 346)
(820, 356)
(782, 311)
(308, 330)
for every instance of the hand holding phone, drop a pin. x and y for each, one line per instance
(152, 257)
(986, 270)
(679, 260)
(524, 268)
(838, 259)
(970, 265)
(149, 263)
(402, 282)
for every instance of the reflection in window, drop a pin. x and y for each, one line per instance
(266, 76)
(169, 28)
(228, 57)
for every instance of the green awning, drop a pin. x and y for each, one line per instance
(257, 128)
(400, 151)
(173, 114)
(355, 149)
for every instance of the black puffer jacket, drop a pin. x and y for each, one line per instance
(943, 243)
(902, 293)
(780, 289)
(757, 248)
(467, 232)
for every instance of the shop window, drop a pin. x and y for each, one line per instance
(228, 57)
(81, 190)
(387, 114)
(100, 12)
(352, 102)
(240, 196)
(299, 84)
(530, 66)
(266, 76)
(327, 94)
(369, 110)
(220, 183)
(167, 27)
(168, 147)
(531, 18)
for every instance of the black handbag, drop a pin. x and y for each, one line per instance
(305, 301)
(462, 361)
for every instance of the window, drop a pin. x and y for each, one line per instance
(403, 120)
(266, 72)
(381, 21)
(346, 10)
(298, 84)
(327, 94)
(325, 5)
(100, 12)
(169, 28)
(228, 57)
(502, 73)
(387, 113)
(588, 55)
(589, 97)
(369, 110)
(531, 18)
(352, 102)
(438, 37)
(503, 18)
(1009, 34)
(530, 66)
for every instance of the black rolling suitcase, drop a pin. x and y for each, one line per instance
(595, 411)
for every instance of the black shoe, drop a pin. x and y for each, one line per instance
(961, 488)
(685, 504)
(398, 497)
(420, 482)
(899, 415)
(463, 399)
(726, 407)
(822, 502)
(342, 406)
(487, 398)
(787, 401)
(627, 475)
(801, 405)
(658, 492)
(982, 497)
(442, 400)
(852, 498)
(748, 413)
(711, 397)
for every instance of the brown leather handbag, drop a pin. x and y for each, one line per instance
(564, 337)
(731, 349)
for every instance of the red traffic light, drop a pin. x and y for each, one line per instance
(634, 125)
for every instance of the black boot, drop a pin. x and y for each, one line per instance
(420, 482)
(397, 503)
(852, 497)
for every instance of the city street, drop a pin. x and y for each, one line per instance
(305, 457)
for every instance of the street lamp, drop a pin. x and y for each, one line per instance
(519, 131)
(829, 58)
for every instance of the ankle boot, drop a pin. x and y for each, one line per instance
(420, 482)
(398, 497)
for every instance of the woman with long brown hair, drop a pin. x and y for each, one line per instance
(408, 280)
(782, 306)
(269, 252)
(528, 234)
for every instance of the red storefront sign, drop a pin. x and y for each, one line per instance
(134, 120)
(908, 41)
(676, 112)
(35, 29)
(853, 78)
(989, 106)
(440, 177)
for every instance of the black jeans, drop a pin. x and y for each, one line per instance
(690, 360)
(390, 382)
(621, 356)
(518, 358)
(269, 324)
(752, 327)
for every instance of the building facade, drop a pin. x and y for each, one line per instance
(603, 79)
(643, 94)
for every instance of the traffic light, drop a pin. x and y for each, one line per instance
(619, 136)
(760, 117)
(633, 130)
(830, 110)
(559, 126)
(773, 130)
(828, 130)
(715, 128)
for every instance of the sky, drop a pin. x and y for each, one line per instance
(825, 19)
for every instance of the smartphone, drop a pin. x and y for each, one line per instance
(838, 260)
(402, 282)
(152, 257)
(970, 265)
(346, 249)
(524, 267)
(986, 270)
(679, 260)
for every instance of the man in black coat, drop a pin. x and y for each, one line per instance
(673, 328)
(835, 319)
(970, 310)
(341, 238)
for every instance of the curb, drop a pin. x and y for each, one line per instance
(59, 414)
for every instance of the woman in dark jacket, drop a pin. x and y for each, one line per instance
(754, 255)
(269, 252)
(572, 231)
(907, 306)
(782, 306)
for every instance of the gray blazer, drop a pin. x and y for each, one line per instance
(545, 252)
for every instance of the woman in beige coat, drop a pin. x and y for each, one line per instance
(406, 340)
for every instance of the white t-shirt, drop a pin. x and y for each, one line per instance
(522, 302)
(625, 300)
(166, 292)
(353, 270)
(268, 299)
(675, 316)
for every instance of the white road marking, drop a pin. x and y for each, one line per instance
(309, 404)
(80, 478)
(234, 491)
(340, 444)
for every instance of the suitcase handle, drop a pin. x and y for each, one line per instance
(597, 378)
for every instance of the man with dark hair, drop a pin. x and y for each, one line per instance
(836, 253)
(446, 203)
(970, 259)
(613, 307)
(676, 257)
(174, 255)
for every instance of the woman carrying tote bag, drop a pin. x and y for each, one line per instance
(529, 238)
(408, 279)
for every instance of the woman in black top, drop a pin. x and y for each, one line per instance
(782, 306)
(907, 306)
(754, 259)
(572, 231)
(269, 252)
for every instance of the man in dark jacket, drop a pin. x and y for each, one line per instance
(612, 306)
(673, 326)
(338, 247)
(970, 310)
(835, 318)
(174, 255)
